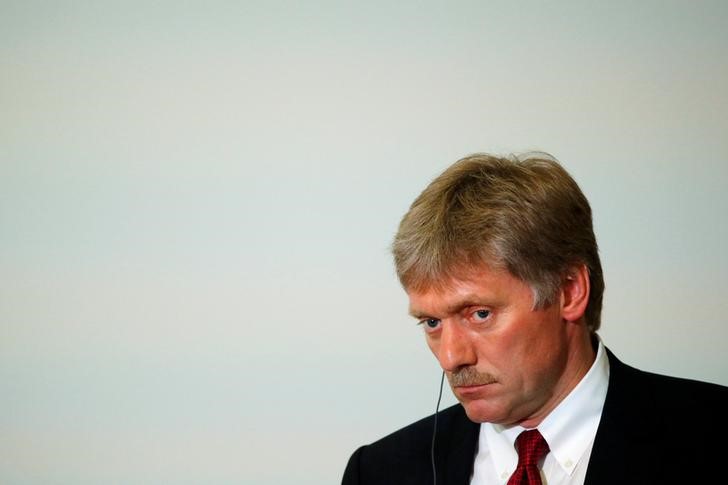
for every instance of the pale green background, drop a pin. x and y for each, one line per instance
(197, 199)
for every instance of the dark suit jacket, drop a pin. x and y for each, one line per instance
(654, 430)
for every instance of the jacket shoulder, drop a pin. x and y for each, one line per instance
(403, 457)
(653, 426)
(669, 393)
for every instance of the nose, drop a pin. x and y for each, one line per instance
(455, 348)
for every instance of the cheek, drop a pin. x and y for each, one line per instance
(432, 344)
(514, 351)
(542, 356)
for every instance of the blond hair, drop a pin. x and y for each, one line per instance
(524, 214)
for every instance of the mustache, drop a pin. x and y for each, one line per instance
(469, 376)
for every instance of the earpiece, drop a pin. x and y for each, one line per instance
(434, 431)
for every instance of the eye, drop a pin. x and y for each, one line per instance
(430, 324)
(481, 315)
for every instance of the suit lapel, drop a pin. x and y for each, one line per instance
(622, 446)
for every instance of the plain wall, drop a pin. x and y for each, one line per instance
(197, 200)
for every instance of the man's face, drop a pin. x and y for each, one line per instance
(504, 360)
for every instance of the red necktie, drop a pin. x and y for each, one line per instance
(531, 448)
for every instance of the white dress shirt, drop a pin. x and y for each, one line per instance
(569, 430)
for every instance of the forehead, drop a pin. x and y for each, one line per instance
(479, 286)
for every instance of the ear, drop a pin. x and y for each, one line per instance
(575, 293)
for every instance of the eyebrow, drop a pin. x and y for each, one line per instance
(456, 307)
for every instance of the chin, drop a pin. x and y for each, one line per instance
(480, 412)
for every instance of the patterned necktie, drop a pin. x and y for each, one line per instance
(531, 448)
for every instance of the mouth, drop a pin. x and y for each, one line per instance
(469, 389)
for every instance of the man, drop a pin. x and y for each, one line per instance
(499, 260)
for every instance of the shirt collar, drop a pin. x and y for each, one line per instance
(569, 429)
